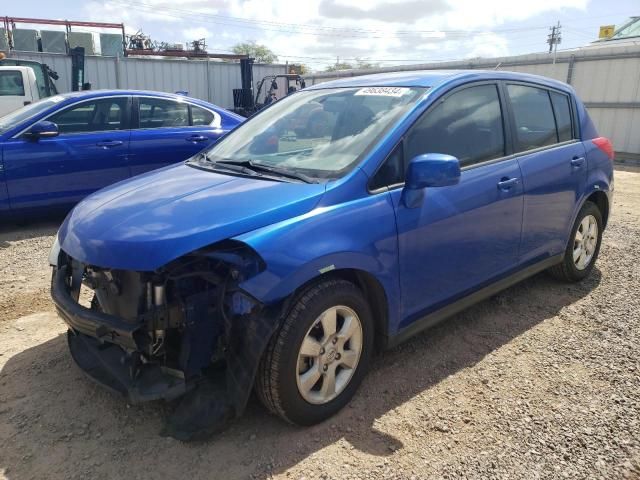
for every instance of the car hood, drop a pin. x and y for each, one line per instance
(144, 223)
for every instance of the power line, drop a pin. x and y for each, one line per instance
(320, 30)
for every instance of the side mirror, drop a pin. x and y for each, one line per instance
(42, 129)
(432, 170)
(429, 170)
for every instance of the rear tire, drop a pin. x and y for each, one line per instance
(305, 347)
(583, 247)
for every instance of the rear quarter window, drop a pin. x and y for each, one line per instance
(200, 116)
(562, 111)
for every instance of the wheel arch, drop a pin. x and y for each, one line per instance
(598, 194)
(602, 202)
(371, 288)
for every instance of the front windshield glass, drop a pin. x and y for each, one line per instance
(16, 117)
(319, 133)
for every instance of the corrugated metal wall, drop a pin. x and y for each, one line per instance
(210, 81)
(607, 80)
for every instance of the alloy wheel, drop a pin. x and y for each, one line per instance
(329, 355)
(585, 242)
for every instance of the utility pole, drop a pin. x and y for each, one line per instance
(553, 39)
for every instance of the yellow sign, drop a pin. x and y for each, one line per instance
(606, 31)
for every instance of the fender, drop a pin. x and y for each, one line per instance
(362, 236)
(599, 179)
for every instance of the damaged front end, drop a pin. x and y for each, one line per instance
(185, 330)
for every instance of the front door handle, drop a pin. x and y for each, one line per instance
(109, 143)
(506, 183)
(197, 138)
(577, 161)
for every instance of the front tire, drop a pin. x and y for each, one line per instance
(315, 362)
(584, 246)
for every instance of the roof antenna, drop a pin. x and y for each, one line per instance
(497, 66)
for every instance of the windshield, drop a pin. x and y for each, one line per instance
(319, 133)
(18, 116)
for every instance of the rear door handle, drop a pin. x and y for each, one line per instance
(197, 138)
(577, 161)
(109, 143)
(506, 183)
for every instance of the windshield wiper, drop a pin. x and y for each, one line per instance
(270, 169)
(230, 166)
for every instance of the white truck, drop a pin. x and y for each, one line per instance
(23, 82)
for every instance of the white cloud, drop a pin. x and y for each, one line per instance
(315, 32)
(196, 33)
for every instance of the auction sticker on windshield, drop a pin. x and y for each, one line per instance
(383, 91)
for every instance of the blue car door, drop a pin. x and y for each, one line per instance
(169, 131)
(90, 152)
(4, 195)
(463, 236)
(553, 164)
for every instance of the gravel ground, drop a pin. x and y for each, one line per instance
(540, 381)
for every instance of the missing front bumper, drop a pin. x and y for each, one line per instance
(90, 322)
(111, 367)
(116, 351)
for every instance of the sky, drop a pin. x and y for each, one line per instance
(317, 32)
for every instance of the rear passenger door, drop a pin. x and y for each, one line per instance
(169, 131)
(553, 165)
(463, 236)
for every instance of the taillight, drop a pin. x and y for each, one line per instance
(604, 144)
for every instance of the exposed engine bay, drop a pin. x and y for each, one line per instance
(184, 331)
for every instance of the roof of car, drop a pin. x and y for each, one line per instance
(431, 78)
(150, 93)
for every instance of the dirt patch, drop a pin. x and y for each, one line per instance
(540, 381)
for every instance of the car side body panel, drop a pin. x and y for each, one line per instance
(357, 235)
(62, 170)
(4, 195)
(553, 187)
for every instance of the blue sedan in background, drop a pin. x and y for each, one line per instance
(56, 151)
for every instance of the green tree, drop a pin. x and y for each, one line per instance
(261, 53)
(338, 66)
(363, 63)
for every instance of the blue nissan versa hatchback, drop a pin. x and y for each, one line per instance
(343, 218)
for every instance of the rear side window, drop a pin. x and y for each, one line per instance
(467, 125)
(562, 113)
(535, 125)
(200, 116)
(11, 83)
(160, 113)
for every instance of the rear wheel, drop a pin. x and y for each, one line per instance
(317, 359)
(584, 246)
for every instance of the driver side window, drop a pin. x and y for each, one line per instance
(93, 116)
(467, 125)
